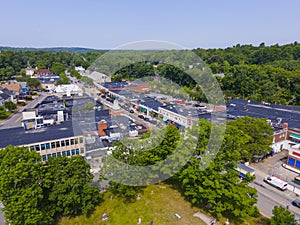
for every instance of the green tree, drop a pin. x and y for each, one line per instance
(69, 191)
(21, 190)
(260, 134)
(87, 80)
(10, 106)
(63, 79)
(34, 193)
(58, 68)
(218, 187)
(281, 216)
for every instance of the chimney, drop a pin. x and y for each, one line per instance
(102, 125)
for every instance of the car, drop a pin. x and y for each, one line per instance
(296, 203)
(146, 119)
(131, 111)
(141, 116)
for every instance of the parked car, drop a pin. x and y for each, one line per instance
(296, 203)
(146, 119)
(141, 116)
(131, 111)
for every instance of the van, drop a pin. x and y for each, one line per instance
(276, 182)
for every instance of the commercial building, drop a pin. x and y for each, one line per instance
(51, 141)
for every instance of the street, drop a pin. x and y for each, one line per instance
(15, 119)
(268, 196)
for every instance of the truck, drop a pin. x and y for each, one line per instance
(276, 182)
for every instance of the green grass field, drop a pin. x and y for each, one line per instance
(159, 206)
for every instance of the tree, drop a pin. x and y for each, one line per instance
(58, 68)
(33, 83)
(69, 191)
(10, 106)
(21, 191)
(260, 133)
(35, 193)
(74, 73)
(63, 79)
(281, 216)
(218, 187)
(87, 80)
(3, 113)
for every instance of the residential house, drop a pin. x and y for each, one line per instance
(4, 98)
(24, 88)
(43, 72)
(29, 71)
(15, 87)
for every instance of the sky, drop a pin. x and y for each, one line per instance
(106, 24)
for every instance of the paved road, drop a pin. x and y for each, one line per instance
(268, 196)
(15, 119)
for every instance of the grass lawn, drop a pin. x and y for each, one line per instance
(159, 207)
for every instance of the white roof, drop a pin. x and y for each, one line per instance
(96, 75)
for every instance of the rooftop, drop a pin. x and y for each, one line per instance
(112, 85)
(181, 110)
(285, 114)
(18, 136)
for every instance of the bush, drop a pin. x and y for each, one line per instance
(10, 106)
(28, 97)
(21, 103)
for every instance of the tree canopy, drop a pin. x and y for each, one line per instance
(281, 216)
(34, 192)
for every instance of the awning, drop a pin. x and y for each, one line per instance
(295, 136)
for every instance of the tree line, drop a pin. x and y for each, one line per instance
(14, 62)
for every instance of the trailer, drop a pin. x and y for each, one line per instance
(244, 170)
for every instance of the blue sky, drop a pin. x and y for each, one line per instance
(110, 23)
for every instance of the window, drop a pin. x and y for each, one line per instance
(43, 147)
(298, 164)
(68, 153)
(44, 157)
(73, 151)
(291, 161)
(72, 141)
(77, 151)
(32, 147)
(81, 150)
(47, 145)
(48, 156)
(53, 154)
(52, 144)
(58, 154)
(62, 143)
(64, 153)
(37, 148)
(81, 140)
(57, 144)
(76, 141)
(67, 142)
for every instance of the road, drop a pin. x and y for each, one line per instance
(268, 196)
(15, 119)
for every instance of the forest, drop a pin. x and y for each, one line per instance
(259, 73)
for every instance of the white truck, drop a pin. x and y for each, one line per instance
(276, 182)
